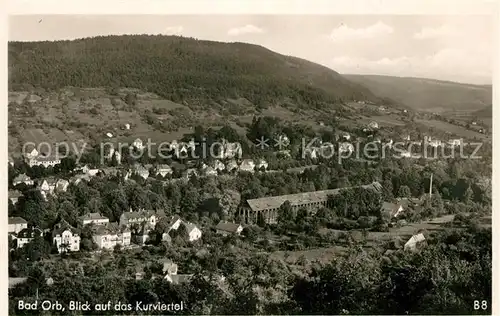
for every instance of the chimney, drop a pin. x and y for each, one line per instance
(430, 187)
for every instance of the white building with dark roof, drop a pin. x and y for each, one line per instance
(27, 235)
(109, 235)
(65, 237)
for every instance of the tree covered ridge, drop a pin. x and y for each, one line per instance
(179, 68)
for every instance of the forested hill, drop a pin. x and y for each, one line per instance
(179, 68)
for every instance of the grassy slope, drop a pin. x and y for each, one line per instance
(428, 94)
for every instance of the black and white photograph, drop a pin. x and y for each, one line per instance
(250, 164)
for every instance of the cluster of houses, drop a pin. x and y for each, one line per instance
(133, 226)
(64, 237)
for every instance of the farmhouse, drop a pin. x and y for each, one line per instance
(391, 210)
(16, 224)
(267, 207)
(414, 242)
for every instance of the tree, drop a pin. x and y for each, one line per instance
(286, 213)
(404, 191)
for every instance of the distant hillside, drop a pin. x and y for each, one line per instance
(179, 69)
(486, 112)
(428, 94)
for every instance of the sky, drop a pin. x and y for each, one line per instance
(454, 47)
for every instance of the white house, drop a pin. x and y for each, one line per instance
(109, 235)
(143, 216)
(193, 231)
(93, 218)
(65, 237)
(413, 242)
(127, 126)
(109, 135)
(247, 165)
(31, 153)
(218, 165)
(48, 185)
(138, 144)
(61, 185)
(163, 170)
(225, 228)
(169, 267)
(174, 223)
(26, 235)
(16, 224)
(22, 178)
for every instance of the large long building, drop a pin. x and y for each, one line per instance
(267, 207)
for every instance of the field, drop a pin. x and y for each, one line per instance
(374, 239)
(453, 129)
